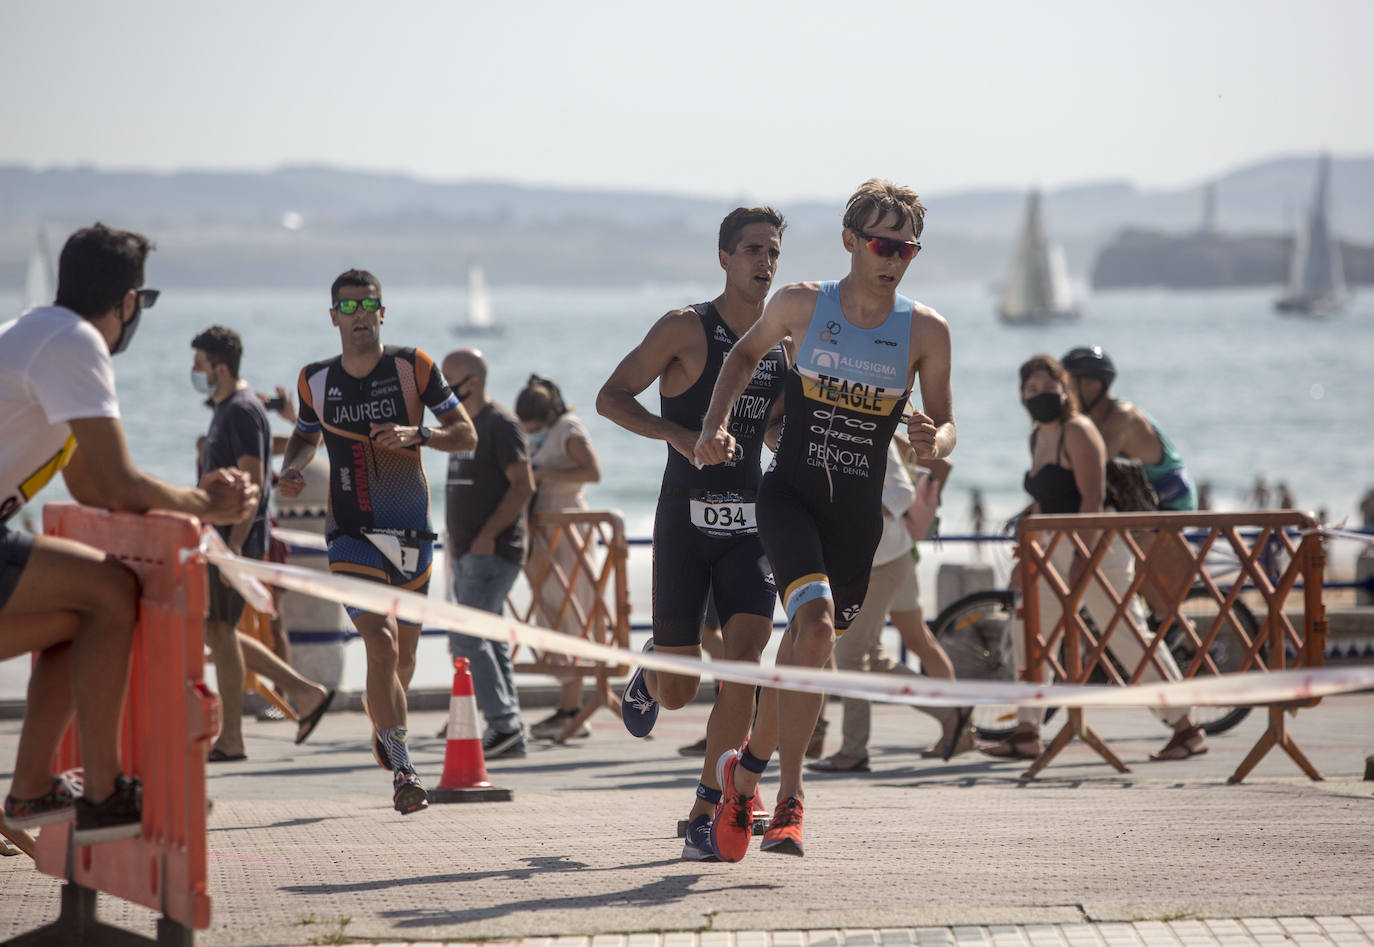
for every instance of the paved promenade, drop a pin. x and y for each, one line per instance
(304, 847)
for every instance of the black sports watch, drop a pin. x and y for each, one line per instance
(425, 434)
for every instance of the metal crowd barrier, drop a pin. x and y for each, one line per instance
(170, 719)
(1084, 648)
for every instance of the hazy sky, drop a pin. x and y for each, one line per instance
(770, 100)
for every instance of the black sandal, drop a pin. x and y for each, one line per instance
(310, 721)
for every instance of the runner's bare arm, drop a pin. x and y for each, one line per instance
(455, 432)
(299, 450)
(663, 346)
(931, 429)
(515, 499)
(786, 314)
(101, 473)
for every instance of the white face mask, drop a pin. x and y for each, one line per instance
(200, 382)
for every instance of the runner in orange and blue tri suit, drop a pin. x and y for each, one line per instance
(368, 406)
(857, 348)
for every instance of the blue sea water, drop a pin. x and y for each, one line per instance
(1241, 390)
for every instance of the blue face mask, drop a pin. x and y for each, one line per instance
(537, 438)
(200, 382)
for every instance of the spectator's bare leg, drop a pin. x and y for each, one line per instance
(917, 636)
(223, 642)
(305, 695)
(47, 712)
(102, 594)
(570, 693)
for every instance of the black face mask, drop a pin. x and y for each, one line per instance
(1046, 407)
(126, 331)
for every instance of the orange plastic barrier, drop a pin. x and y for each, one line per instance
(1084, 649)
(170, 717)
(576, 587)
(257, 625)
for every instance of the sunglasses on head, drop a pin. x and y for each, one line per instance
(147, 297)
(886, 246)
(350, 306)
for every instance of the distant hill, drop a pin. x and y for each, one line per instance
(216, 228)
(1206, 261)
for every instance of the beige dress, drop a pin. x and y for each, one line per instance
(560, 497)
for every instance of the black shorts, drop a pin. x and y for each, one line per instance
(226, 604)
(819, 549)
(689, 564)
(15, 547)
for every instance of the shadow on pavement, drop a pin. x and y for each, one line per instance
(285, 824)
(538, 865)
(668, 890)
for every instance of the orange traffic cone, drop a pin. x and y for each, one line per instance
(465, 768)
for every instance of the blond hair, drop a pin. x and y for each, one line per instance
(876, 198)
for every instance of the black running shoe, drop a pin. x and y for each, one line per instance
(119, 816)
(409, 796)
(504, 744)
(695, 750)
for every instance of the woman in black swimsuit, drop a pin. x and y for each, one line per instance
(1068, 475)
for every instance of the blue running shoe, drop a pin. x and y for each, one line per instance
(638, 708)
(697, 847)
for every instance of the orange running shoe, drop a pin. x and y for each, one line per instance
(784, 835)
(733, 826)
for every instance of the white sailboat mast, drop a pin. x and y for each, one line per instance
(479, 304)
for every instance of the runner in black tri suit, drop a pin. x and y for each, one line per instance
(857, 348)
(705, 530)
(368, 405)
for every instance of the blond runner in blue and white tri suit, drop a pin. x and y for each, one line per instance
(857, 348)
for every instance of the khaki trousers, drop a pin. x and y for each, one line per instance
(860, 648)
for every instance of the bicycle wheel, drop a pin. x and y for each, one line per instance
(975, 632)
(1227, 650)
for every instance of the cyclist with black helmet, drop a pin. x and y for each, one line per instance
(1127, 429)
(1130, 432)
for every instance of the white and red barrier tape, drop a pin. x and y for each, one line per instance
(1224, 690)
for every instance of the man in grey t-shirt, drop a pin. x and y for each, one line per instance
(488, 492)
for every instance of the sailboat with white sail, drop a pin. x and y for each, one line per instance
(40, 280)
(1316, 276)
(480, 320)
(1037, 289)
